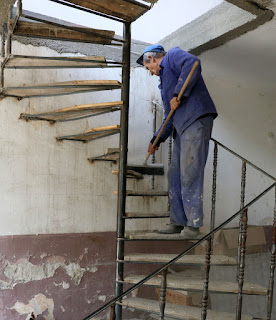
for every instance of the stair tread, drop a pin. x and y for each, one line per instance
(48, 31)
(150, 235)
(61, 88)
(127, 10)
(187, 259)
(180, 283)
(148, 214)
(92, 134)
(179, 311)
(16, 61)
(146, 193)
(109, 156)
(75, 112)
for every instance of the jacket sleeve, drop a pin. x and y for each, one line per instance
(181, 63)
(165, 134)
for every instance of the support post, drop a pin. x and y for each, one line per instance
(121, 202)
(241, 265)
(243, 183)
(272, 267)
(154, 130)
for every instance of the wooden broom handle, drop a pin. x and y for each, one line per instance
(172, 111)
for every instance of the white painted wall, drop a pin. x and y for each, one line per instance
(241, 76)
(49, 186)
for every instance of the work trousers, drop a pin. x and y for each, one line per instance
(186, 173)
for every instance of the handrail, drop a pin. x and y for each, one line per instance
(243, 159)
(206, 237)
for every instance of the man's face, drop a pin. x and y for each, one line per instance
(152, 66)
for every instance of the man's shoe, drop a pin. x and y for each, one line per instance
(190, 233)
(171, 229)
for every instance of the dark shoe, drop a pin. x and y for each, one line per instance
(190, 233)
(171, 228)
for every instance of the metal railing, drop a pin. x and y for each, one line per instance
(243, 219)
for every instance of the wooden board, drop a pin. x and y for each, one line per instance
(48, 62)
(187, 259)
(164, 214)
(178, 311)
(179, 283)
(47, 31)
(61, 88)
(145, 193)
(75, 112)
(123, 9)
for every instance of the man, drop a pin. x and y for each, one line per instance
(191, 125)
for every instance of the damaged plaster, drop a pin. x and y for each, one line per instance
(38, 305)
(25, 271)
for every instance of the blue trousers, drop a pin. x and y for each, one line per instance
(186, 173)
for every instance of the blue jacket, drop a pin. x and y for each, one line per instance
(196, 101)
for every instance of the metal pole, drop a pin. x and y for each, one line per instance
(121, 202)
(214, 187)
(272, 267)
(4, 30)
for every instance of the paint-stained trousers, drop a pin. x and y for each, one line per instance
(186, 173)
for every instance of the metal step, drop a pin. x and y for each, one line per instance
(92, 134)
(143, 215)
(178, 282)
(151, 193)
(176, 311)
(187, 259)
(60, 88)
(130, 174)
(42, 62)
(150, 235)
(75, 112)
(112, 154)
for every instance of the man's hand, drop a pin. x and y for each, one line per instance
(174, 103)
(152, 149)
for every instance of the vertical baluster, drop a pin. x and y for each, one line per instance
(112, 315)
(209, 244)
(243, 183)
(214, 187)
(163, 292)
(241, 266)
(272, 267)
(169, 163)
(206, 281)
(3, 36)
(154, 130)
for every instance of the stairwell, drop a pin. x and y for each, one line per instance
(192, 271)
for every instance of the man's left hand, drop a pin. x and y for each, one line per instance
(174, 103)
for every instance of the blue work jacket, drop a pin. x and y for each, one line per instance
(196, 101)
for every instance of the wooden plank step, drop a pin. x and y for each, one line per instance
(178, 311)
(48, 31)
(178, 282)
(137, 215)
(130, 174)
(151, 235)
(151, 193)
(122, 9)
(75, 112)
(32, 62)
(60, 88)
(92, 134)
(187, 259)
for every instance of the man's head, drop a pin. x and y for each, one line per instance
(151, 58)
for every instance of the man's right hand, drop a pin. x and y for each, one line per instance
(152, 149)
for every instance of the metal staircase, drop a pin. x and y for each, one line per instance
(127, 11)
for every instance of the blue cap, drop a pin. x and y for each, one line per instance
(151, 48)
